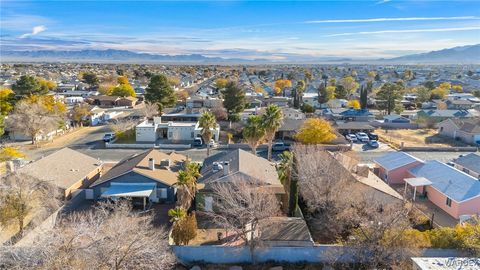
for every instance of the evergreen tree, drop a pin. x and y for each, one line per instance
(233, 100)
(341, 92)
(363, 97)
(160, 92)
(29, 85)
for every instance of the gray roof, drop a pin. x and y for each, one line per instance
(468, 125)
(284, 229)
(452, 182)
(63, 168)
(354, 125)
(291, 124)
(470, 161)
(395, 160)
(242, 164)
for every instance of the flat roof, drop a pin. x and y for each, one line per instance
(395, 160)
(418, 181)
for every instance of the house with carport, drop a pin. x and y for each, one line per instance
(144, 178)
(450, 189)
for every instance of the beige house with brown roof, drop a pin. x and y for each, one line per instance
(145, 178)
(67, 169)
(466, 130)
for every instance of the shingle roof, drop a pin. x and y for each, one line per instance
(470, 161)
(242, 164)
(455, 184)
(291, 124)
(62, 168)
(284, 229)
(139, 164)
(395, 160)
(468, 125)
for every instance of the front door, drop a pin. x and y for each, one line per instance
(208, 203)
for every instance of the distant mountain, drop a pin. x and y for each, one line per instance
(457, 55)
(110, 55)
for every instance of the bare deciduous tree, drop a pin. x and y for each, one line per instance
(342, 209)
(150, 110)
(32, 119)
(121, 125)
(240, 207)
(106, 238)
(22, 196)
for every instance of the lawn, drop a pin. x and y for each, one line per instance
(126, 137)
(416, 137)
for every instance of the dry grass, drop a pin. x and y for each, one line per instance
(416, 138)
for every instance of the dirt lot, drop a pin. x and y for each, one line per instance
(416, 137)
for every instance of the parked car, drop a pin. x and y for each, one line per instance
(351, 137)
(362, 136)
(372, 136)
(212, 143)
(280, 146)
(198, 141)
(373, 144)
(108, 137)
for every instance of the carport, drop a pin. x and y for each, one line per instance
(130, 190)
(416, 182)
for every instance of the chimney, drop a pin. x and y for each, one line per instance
(226, 168)
(151, 164)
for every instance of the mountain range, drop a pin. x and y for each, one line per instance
(457, 55)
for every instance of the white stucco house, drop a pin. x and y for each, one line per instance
(151, 131)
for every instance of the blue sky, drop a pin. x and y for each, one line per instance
(242, 29)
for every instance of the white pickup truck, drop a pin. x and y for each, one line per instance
(280, 146)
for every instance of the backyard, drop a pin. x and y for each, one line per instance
(416, 138)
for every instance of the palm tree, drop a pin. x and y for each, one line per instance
(272, 120)
(187, 183)
(288, 178)
(285, 167)
(253, 132)
(207, 122)
(176, 214)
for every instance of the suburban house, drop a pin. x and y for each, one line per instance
(311, 99)
(360, 115)
(452, 190)
(291, 113)
(151, 131)
(104, 101)
(127, 102)
(466, 130)
(237, 165)
(393, 167)
(459, 104)
(469, 164)
(67, 169)
(289, 128)
(395, 118)
(440, 115)
(145, 178)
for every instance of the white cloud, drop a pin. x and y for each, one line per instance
(395, 19)
(382, 2)
(407, 31)
(35, 30)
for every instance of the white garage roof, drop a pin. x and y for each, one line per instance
(129, 190)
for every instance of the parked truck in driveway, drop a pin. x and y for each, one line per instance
(280, 146)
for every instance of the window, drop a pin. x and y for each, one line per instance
(192, 134)
(162, 193)
(465, 170)
(449, 202)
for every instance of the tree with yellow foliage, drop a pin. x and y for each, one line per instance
(106, 89)
(51, 85)
(49, 103)
(457, 88)
(122, 80)
(349, 84)
(6, 101)
(315, 131)
(280, 86)
(9, 153)
(355, 104)
(439, 93)
(221, 83)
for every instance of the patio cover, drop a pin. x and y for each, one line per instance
(418, 181)
(129, 190)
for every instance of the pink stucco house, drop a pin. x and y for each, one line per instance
(452, 190)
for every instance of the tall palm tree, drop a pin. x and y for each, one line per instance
(272, 120)
(207, 122)
(253, 132)
(187, 183)
(176, 214)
